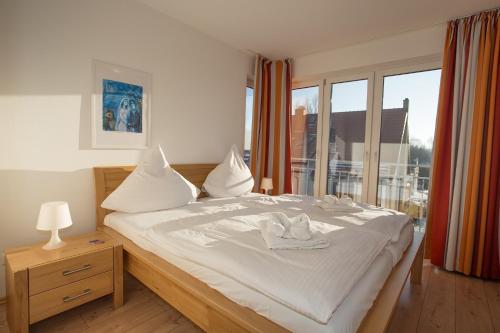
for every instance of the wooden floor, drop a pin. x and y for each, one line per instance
(445, 302)
(448, 302)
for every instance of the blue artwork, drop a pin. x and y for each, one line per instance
(121, 107)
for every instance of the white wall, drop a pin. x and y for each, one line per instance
(45, 84)
(415, 44)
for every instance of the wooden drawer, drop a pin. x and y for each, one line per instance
(60, 273)
(57, 300)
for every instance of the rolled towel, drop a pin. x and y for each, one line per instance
(346, 200)
(299, 228)
(283, 233)
(330, 199)
(276, 223)
(276, 228)
(280, 225)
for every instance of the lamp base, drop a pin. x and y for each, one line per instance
(55, 242)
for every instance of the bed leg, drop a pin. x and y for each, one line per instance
(418, 264)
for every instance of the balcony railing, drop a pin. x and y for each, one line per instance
(400, 186)
(303, 173)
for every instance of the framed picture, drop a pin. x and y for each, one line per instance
(121, 107)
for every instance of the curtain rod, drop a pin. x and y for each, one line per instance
(475, 13)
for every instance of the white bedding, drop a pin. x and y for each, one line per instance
(231, 244)
(346, 318)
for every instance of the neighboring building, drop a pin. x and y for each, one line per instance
(346, 149)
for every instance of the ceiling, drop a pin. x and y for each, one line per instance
(291, 28)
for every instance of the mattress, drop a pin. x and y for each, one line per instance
(347, 316)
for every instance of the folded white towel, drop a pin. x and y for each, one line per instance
(296, 227)
(343, 205)
(331, 199)
(346, 200)
(282, 232)
(317, 241)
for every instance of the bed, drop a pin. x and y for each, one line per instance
(180, 283)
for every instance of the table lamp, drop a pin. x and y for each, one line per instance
(54, 216)
(266, 184)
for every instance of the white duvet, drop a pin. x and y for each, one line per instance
(312, 282)
(223, 235)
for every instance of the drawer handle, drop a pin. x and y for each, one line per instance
(83, 268)
(72, 298)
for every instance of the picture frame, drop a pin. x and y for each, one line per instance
(121, 107)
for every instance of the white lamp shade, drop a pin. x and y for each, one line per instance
(53, 216)
(266, 184)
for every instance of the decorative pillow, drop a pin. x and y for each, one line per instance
(153, 185)
(231, 178)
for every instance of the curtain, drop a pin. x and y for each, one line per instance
(271, 139)
(463, 220)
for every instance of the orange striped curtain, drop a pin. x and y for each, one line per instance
(463, 222)
(271, 139)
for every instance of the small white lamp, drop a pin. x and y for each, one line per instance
(266, 184)
(54, 216)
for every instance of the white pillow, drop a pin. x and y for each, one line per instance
(153, 185)
(231, 178)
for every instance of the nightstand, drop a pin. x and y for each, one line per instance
(43, 283)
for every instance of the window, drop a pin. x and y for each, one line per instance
(304, 138)
(346, 138)
(248, 125)
(408, 118)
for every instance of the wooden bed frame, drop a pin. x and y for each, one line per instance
(206, 307)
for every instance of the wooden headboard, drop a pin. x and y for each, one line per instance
(107, 179)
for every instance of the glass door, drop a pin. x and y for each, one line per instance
(304, 133)
(403, 142)
(346, 128)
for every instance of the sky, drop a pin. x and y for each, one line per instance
(421, 88)
(248, 118)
